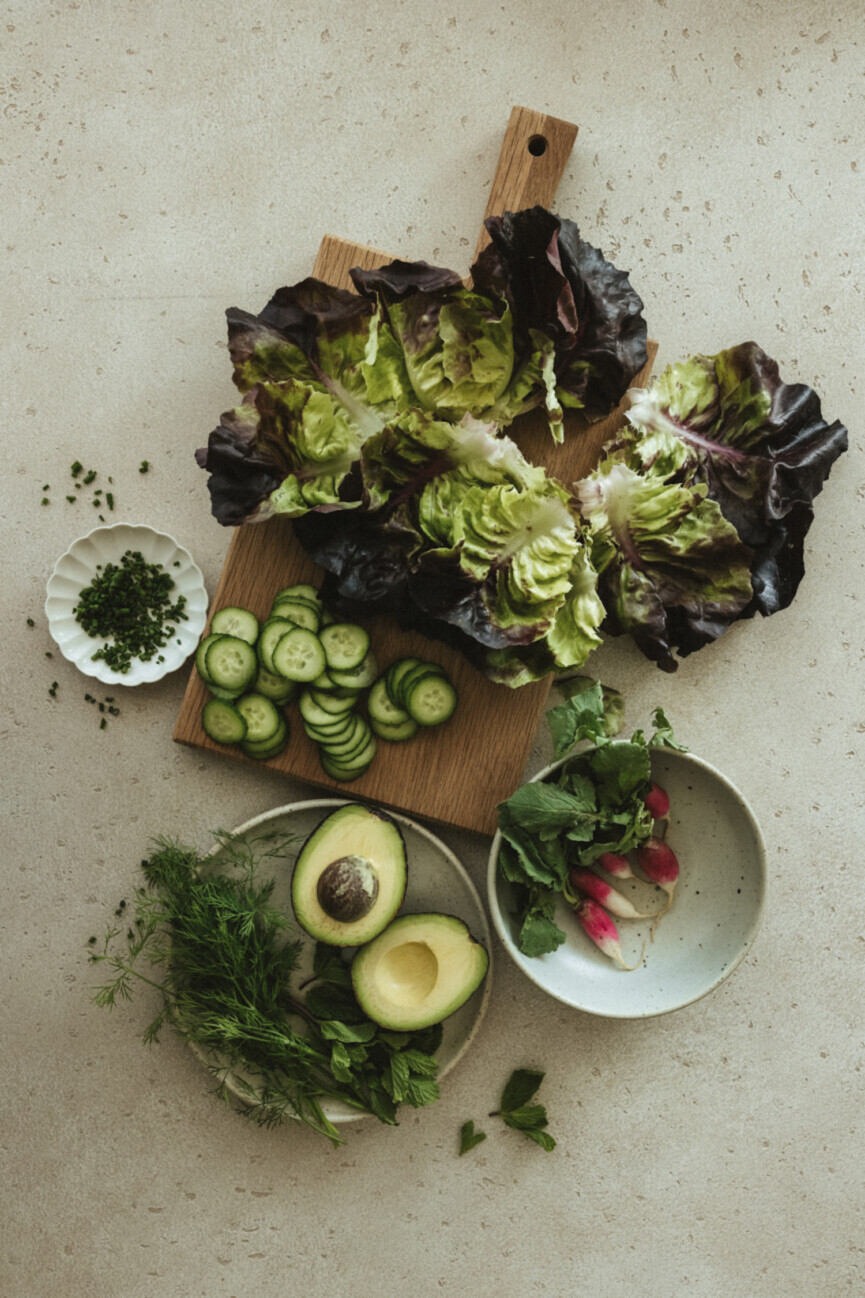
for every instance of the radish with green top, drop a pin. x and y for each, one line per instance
(616, 864)
(597, 925)
(657, 802)
(586, 884)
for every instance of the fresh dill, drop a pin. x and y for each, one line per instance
(217, 952)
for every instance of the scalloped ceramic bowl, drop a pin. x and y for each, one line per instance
(709, 929)
(76, 569)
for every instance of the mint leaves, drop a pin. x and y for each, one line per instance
(515, 1111)
(469, 1137)
(592, 804)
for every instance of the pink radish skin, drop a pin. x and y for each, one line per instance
(613, 863)
(658, 862)
(657, 802)
(597, 925)
(589, 885)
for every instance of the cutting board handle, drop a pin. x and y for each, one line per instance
(534, 155)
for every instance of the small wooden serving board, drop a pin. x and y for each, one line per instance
(458, 773)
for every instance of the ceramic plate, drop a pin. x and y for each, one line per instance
(707, 932)
(76, 569)
(436, 882)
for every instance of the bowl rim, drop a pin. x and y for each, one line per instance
(315, 804)
(528, 967)
(96, 673)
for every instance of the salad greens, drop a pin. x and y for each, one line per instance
(225, 967)
(594, 803)
(516, 1111)
(374, 419)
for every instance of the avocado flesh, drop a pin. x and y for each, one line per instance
(352, 831)
(421, 969)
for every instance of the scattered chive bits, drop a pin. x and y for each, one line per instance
(53, 690)
(30, 622)
(144, 467)
(76, 468)
(130, 602)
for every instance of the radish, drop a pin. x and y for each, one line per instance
(657, 802)
(616, 864)
(658, 862)
(589, 885)
(597, 925)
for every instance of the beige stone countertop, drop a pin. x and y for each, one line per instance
(162, 161)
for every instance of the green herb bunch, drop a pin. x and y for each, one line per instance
(216, 950)
(594, 803)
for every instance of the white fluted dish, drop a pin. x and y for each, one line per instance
(77, 568)
(709, 929)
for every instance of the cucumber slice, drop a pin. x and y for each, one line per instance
(350, 743)
(222, 722)
(315, 714)
(303, 591)
(276, 688)
(408, 681)
(432, 700)
(261, 716)
(323, 682)
(230, 663)
(227, 696)
(201, 654)
(356, 678)
(380, 707)
(273, 629)
(343, 774)
(330, 703)
(298, 612)
(357, 761)
(345, 646)
(265, 749)
(298, 655)
(328, 619)
(237, 622)
(396, 734)
(394, 675)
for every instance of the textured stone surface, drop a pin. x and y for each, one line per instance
(163, 161)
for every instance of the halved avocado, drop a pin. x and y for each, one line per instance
(418, 971)
(349, 879)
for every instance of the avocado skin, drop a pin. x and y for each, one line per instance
(352, 829)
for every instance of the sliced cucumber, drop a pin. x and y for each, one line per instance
(408, 681)
(276, 688)
(432, 700)
(396, 734)
(298, 655)
(227, 696)
(356, 678)
(297, 611)
(237, 622)
(261, 716)
(380, 707)
(222, 722)
(271, 633)
(230, 663)
(267, 748)
(201, 654)
(394, 675)
(355, 738)
(345, 646)
(315, 714)
(331, 703)
(303, 591)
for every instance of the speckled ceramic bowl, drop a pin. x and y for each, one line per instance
(436, 881)
(76, 569)
(709, 929)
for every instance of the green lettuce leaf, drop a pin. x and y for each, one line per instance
(761, 448)
(672, 571)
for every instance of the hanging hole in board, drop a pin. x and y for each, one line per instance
(537, 146)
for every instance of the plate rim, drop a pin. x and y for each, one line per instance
(313, 804)
(754, 927)
(98, 671)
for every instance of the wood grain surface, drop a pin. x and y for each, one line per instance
(457, 774)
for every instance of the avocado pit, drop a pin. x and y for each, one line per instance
(347, 889)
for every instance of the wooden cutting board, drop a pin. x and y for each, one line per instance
(457, 774)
